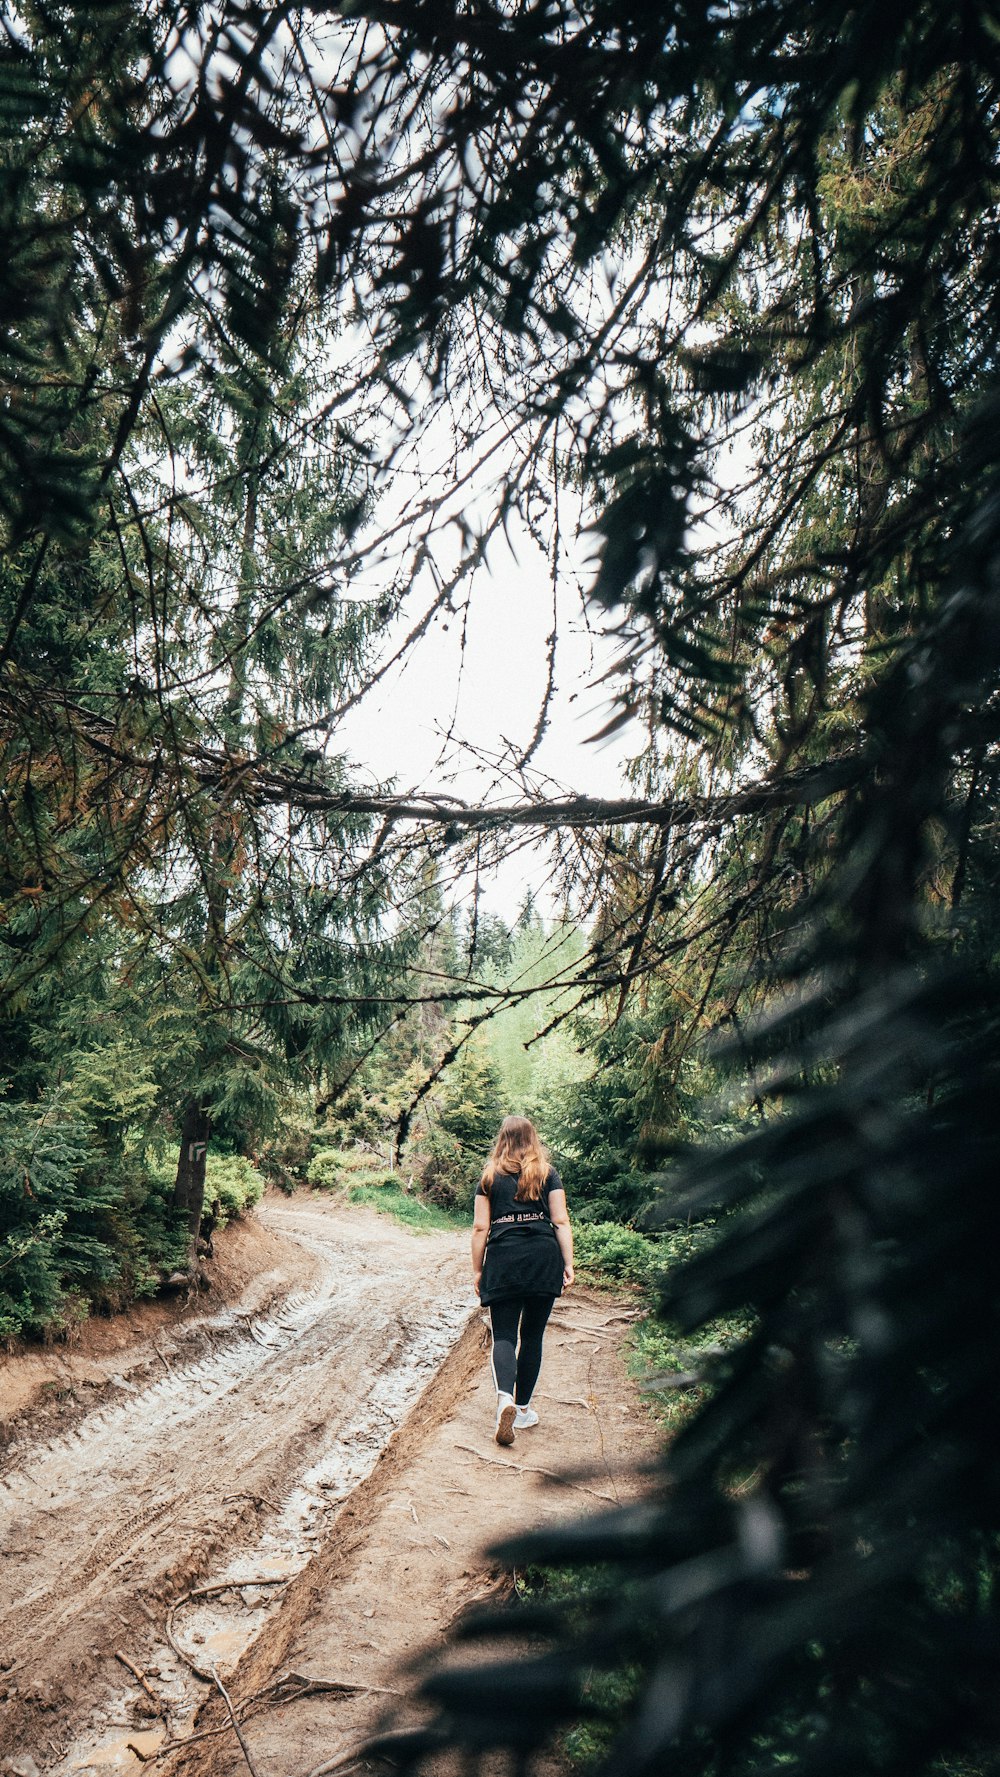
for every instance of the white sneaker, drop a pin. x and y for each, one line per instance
(523, 1417)
(506, 1416)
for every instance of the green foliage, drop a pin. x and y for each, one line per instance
(111, 1088)
(283, 1154)
(676, 1370)
(233, 1185)
(42, 1156)
(72, 1228)
(166, 952)
(608, 1252)
(611, 1251)
(744, 260)
(831, 1479)
(336, 1168)
(534, 1062)
(734, 272)
(606, 1695)
(462, 1125)
(610, 1129)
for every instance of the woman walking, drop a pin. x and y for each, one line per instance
(522, 1259)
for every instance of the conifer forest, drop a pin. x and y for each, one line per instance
(303, 307)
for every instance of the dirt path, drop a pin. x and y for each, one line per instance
(407, 1554)
(320, 1456)
(226, 1460)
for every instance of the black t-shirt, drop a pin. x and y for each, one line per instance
(522, 1257)
(509, 1211)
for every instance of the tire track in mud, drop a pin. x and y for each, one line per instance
(233, 1460)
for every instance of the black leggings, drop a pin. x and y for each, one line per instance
(518, 1374)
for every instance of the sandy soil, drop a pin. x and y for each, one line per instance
(319, 1455)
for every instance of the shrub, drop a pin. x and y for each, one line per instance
(331, 1168)
(607, 1250)
(75, 1225)
(283, 1154)
(448, 1177)
(232, 1186)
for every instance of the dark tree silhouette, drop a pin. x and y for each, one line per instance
(732, 273)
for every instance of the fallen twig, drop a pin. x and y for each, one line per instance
(141, 1679)
(329, 1684)
(346, 1760)
(304, 1683)
(624, 1317)
(150, 1758)
(583, 1326)
(244, 1748)
(500, 1589)
(233, 1586)
(261, 1499)
(549, 1474)
(305, 1686)
(340, 1761)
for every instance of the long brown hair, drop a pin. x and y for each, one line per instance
(518, 1153)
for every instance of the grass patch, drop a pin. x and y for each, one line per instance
(334, 1169)
(612, 1253)
(653, 1353)
(409, 1210)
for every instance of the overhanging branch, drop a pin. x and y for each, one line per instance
(795, 789)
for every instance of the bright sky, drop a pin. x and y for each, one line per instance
(490, 700)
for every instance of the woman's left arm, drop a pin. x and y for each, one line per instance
(480, 1232)
(559, 1216)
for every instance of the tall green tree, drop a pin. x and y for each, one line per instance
(529, 1037)
(462, 1119)
(173, 484)
(275, 934)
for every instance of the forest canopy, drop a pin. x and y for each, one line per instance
(729, 276)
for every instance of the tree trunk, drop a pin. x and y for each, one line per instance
(189, 1185)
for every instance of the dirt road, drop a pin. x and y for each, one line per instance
(223, 1462)
(409, 1553)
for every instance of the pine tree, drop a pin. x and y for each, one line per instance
(463, 1120)
(275, 938)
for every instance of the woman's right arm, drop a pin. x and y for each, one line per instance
(559, 1216)
(480, 1231)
